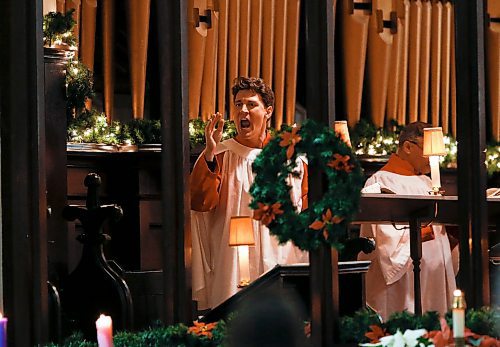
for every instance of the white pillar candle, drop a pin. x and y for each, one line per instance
(458, 314)
(104, 326)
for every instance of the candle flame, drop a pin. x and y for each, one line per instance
(457, 292)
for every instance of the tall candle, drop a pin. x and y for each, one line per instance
(458, 316)
(104, 326)
(3, 331)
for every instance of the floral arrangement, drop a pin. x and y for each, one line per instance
(199, 335)
(57, 29)
(407, 329)
(324, 221)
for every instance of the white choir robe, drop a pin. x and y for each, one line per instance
(389, 280)
(215, 271)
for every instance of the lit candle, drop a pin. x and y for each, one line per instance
(3, 331)
(104, 327)
(458, 317)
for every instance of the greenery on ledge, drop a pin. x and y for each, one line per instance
(57, 28)
(363, 326)
(366, 139)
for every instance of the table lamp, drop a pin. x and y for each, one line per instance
(434, 148)
(340, 127)
(241, 236)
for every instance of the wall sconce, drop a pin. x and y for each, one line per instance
(434, 148)
(340, 127)
(241, 236)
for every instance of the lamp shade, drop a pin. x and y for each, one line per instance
(241, 231)
(433, 142)
(340, 127)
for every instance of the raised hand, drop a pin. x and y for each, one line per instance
(213, 135)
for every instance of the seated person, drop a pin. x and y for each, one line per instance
(389, 281)
(220, 184)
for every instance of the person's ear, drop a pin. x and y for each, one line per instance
(269, 112)
(407, 147)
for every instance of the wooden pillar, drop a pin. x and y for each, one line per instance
(138, 19)
(108, 28)
(23, 199)
(87, 44)
(172, 50)
(320, 103)
(471, 135)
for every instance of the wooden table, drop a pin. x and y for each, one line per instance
(415, 210)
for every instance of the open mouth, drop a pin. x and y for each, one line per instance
(244, 123)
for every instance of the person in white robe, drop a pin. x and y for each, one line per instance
(389, 280)
(220, 184)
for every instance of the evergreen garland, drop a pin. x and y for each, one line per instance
(79, 87)
(326, 220)
(57, 27)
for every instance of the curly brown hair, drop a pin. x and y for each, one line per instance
(412, 132)
(256, 85)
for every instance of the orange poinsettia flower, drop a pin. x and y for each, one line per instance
(327, 218)
(267, 213)
(340, 163)
(375, 333)
(290, 139)
(488, 341)
(202, 329)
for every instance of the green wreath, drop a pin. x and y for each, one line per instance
(324, 221)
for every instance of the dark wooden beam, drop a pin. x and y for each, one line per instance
(24, 206)
(320, 104)
(172, 50)
(471, 135)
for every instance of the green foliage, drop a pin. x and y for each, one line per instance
(75, 340)
(173, 335)
(368, 140)
(405, 320)
(197, 132)
(353, 328)
(482, 321)
(58, 27)
(144, 131)
(92, 127)
(272, 169)
(79, 86)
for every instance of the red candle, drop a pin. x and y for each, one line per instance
(104, 326)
